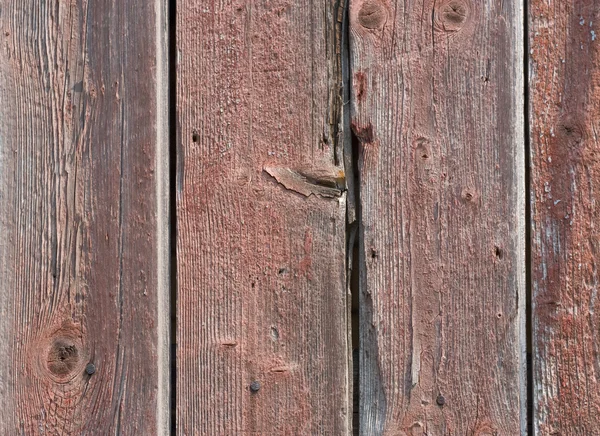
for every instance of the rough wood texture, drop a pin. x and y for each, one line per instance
(82, 272)
(437, 111)
(261, 220)
(565, 178)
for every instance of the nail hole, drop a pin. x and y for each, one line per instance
(440, 400)
(499, 252)
(195, 137)
(468, 195)
(274, 333)
(374, 254)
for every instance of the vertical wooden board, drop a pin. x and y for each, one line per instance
(438, 114)
(82, 269)
(565, 239)
(261, 219)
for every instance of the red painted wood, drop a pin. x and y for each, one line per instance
(565, 240)
(261, 220)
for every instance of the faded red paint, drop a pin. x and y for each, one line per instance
(261, 220)
(80, 218)
(306, 262)
(440, 186)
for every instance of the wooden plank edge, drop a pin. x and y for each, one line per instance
(521, 130)
(162, 155)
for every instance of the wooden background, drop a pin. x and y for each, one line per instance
(83, 189)
(268, 217)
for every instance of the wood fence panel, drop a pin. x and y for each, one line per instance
(262, 343)
(438, 115)
(83, 275)
(565, 238)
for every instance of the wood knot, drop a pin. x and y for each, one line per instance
(422, 148)
(63, 357)
(572, 131)
(452, 15)
(485, 429)
(567, 145)
(372, 15)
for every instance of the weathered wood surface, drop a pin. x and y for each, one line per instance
(565, 239)
(82, 268)
(438, 111)
(261, 220)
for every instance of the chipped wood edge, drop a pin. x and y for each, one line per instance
(327, 182)
(162, 155)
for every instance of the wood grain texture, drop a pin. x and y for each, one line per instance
(438, 113)
(83, 209)
(565, 239)
(261, 220)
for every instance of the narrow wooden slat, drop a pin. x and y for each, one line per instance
(261, 220)
(565, 238)
(438, 114)
(82, 270)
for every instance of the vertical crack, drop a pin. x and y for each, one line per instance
(528, 223)
(356, 233)
(350, 152)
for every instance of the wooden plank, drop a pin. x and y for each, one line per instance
(565, 239)
(83, 159)
(438, 113)
(261, 220)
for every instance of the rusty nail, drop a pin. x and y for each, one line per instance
(440, 400)
(90, 369)
(254, 386)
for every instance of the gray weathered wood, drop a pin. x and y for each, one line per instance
(261, 220)
(83, 248)
(438, 112)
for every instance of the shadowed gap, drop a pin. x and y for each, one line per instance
(528, 282)
(355, 288)
(172, 35)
